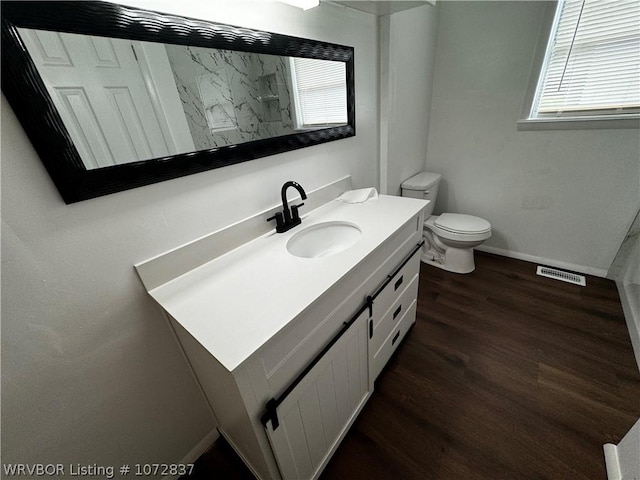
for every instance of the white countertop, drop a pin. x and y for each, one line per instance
(234, 304)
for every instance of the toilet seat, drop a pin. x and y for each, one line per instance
(459, 227)
(461, 223)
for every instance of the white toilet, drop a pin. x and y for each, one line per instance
(449, 237)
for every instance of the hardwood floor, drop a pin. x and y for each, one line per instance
(506, 375)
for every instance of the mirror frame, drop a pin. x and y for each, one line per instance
(27, 95)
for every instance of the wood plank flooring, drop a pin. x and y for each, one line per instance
(506, 375)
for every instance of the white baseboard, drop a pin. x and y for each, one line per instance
(611, 461)
(623, 460)
(196, 451)
(596, 272)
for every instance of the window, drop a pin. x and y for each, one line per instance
(592, 63)
(319, 92)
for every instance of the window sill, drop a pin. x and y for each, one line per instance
(578, 123)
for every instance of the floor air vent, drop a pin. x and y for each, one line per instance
(563, 276)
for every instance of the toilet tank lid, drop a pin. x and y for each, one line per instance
(421, 181)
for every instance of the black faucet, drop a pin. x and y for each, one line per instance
(287, 219)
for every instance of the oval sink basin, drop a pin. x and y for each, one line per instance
(323, 239)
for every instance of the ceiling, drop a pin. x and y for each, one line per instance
(380, 7)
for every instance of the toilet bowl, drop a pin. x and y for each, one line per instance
(449, 237)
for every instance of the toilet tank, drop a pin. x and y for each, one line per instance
(423, 185)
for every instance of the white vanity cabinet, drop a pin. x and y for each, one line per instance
(286, 403)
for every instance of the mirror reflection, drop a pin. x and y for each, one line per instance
(124, 101)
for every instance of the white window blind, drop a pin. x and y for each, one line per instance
(592, 65)
(320, 91)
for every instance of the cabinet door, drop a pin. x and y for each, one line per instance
(316, 415)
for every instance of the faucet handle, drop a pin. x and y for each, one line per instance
(279, 220)
(294, 211)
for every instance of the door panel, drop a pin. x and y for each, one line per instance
(83, 127)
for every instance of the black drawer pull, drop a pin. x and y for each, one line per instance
(398, 283)
(395, 338)
(397, 312)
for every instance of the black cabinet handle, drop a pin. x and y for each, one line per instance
(395, 338)
(397, 312)
(398, 283)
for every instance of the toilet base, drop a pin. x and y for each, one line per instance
(456, 260)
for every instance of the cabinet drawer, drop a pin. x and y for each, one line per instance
(381, 357)
(395, 313)
(389, 295)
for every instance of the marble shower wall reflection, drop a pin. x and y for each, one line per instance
(231, 97)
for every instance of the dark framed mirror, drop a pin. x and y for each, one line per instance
(115, 97)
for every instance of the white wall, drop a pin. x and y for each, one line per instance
(90, 370)
(409, 40)
(565, 196)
